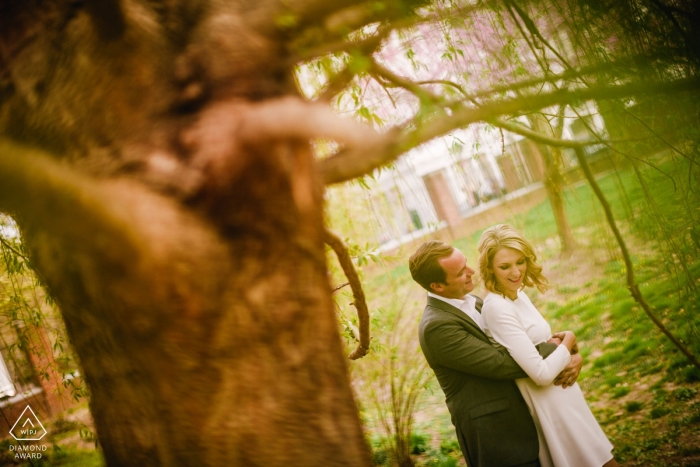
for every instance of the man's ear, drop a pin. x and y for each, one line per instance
(437, 287)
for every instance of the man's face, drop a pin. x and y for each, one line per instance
(458, 276)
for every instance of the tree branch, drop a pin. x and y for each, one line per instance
(338, 287)
(291, 117)
(350, 164)
(530, 25)
(15, 251)
(539, 137)
(35, 187)
(568, 74)
(115, 225)
(340, 19)
(358, 294)
(422, 94)
(336, 84)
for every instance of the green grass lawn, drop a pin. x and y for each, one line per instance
(641, 388)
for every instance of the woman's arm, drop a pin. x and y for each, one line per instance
(503, 324)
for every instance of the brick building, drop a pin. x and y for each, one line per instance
(440, 183)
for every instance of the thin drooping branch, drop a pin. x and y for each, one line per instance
(626, 155)
(563, 96)
(338, 287)
(349, 164)
(532, 45)
(355, 17)
(14, 250)
(537, 137)
(396, 80)
(660, 137)
(631, 282)
(335, 85)
(341, 251)
(324, 27)
(530, 25)
(621, 67)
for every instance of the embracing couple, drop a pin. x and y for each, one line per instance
(509, 384)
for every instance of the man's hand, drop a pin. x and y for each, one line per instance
(569, 375)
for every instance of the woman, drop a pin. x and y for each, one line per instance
(568, 432)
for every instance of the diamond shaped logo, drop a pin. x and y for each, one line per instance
(28, 427)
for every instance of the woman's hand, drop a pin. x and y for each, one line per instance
(557, 341)
(568, 339)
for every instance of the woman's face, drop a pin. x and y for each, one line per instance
(510, 267)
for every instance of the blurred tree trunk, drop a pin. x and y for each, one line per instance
(554, 183)
(181, 241)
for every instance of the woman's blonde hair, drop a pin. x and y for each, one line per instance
(504, 236)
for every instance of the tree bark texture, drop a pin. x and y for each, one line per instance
(553, 182)
(184, 247)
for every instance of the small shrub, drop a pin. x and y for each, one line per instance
(688, 451)
(620, 391)
(448, 446)
(658, 412)
(650, 444)
(678, 362)
(684, 394)
(660, 396)
(379, 456)
(441, 460)
(62, 425)
(419, 443)
(6, 456)
(633, 406)
(691, 374)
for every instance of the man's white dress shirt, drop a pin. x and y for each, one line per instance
(467, 304)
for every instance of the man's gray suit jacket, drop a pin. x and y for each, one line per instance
(493, 423)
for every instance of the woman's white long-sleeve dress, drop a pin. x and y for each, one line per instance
(568, 432)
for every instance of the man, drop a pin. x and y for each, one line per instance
(493, 424)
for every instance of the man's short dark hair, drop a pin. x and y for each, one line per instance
(424, 266)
